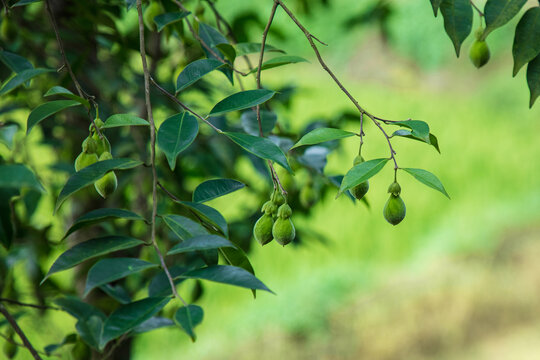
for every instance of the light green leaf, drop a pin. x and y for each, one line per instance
(242, 100)
(427, 178)
(360, 173)
(527, 39)
(499, 12)
(195, 71)
(99, 215)
(22, 77)
(117, 120)
(18, 176)
(43, 111)
(458, 18)
(215, 188)
(432, 139)
(188, 317)
(227, 274)
(253, 48)
(199, 243)
(62, 91)
(533, 79)
(419, 129)
(176, 134)
(169, 18)
(279, 61)
(320, 135)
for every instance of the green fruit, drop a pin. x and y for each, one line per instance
(102, 144)
(308, 197)
(479, 53)
(284, 211)
(278, 198)
(80, 351)
(10, 350)
(283, 231)
(358, 160)
(360, 190)
(89, 145)
(85, 159)
(262, 231)
(150, 13)
(394, 189)
(108, 183)
(269, 208)
(394, 210)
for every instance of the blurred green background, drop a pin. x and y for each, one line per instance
(457, 279)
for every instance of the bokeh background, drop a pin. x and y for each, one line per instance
(457, 279)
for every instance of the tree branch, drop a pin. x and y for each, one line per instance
(36, 306)
(19, 332)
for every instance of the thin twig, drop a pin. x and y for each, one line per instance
(6, 338)
(19, 332)
(16, 302)
(153, 152)
(477, 8)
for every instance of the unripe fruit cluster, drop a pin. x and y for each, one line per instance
(275, 223)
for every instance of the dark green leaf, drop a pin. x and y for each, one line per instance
(24, 2)
(169, 18)
(435, 4)
(432, 139)
(207, 214)
(14, 62)
(215, 188)
(227, 274)
(280, 61)
(320, 135)
(22, 77)
(237, 257)
(427, 178)
(188, 317)
(227, 50)
(128, 316)
(458, 18)
(527, 39)
(253, 48)
(261, 147)
(43, 111)
(62, 91)
(152, 324)
(196, 70)
(176, 134)
(18, 176)
(99, 215)
(251, 125)
(69, 339)
(117, 292)
(360, 173)
(7, 133)
(91, 174)
(160, 285)
(109, 270)
(91, 249)
(499, 12)
(124, 120)
(533, 79)
(6, 217)
(242, 100)
(199, 243)
(212, 37)
(183, 227)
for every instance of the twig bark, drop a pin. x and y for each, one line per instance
(19, 332)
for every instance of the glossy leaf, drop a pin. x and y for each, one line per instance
(227, 50)
(163, 20)
(533, 79)
(199, 243)
(7, 133)
(499, 12)
(152, 324)
(14, 62)
(160, 286)
(128, 316)
(237, 257)
(320, 135)
(195, 71)
(458, 18)
(360, 173)
(89, 250)
(215, 188)
(99, 215)
(183, 227)
(62, 91)
(117, 292)
(432, 139)
(253, 48)
(242, 100)
(188, 317)
(419, 129)
(207, 214)
(280, 61)
(227, 274)
(527, 39)
(109, 270)
(250, 123)
(21, 78)
(427, 178)
(43, 111)
(92, 173)
(176, 134)
(261, 147)
(18, 176)
(212, 37)
(117, 120)
(435, 4)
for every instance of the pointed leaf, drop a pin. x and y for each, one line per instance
(242, 100)
(432, 139)
(419, 129)
(109, 270)
(499, 12)
(62, 91)
(117, 292)
(14, 62)
(212, 37)
(188, 317)
(199, 243)
(18, 176)
(427, 178)
(320, 135)
(183, 227)
(207, 214)
(458, 18)
(261, 147)
(99, 215)
(215, 188)
(435, 4)
(124, 120)
(360, 173)
(527, 39)
(279, 61)
(152, 324)
(254, 48)
(169, 18)
(43, 111)
(91, 249)
(24, 2)
(533, 79)
(22, 77)
(195, 71)
(227, 50)
(250, 123)
(227, 274)
(176, 134)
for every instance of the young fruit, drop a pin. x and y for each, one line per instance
(262, 231)
(283, 231)
(394, 210)
(394, 189)
(89, 145)
(85, 159)
(479, 53)
(284, 211)
(269, 208)
(108, 183)
(102, 144)
(360, 190)
(278, 198)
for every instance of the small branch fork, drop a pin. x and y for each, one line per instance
(153, 152)
(11, 320)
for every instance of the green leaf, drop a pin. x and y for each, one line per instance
(527, 39)
(458, 18)
(14, 62)
(188, 317)
(117, 292)
(169, 18)
(533, 79)
(7, 133)
(152, 324)
(18, 176)
(279, 61)
(432, 139)
(160, 285)
(227, 274)
(253, 48)
(320, 135)
(227, 50)
(435, 4)
(91, 174)
(499, 12)
(419, 129)
(427, 178)
(207, 214)
(43, 111)
(199, 243)
(212, 37)
(195, 71)
(117, 120)
(24, 2)
(6, 217)
(261, 147)
(176, 134)
(215, 188)
(89, 250)
(109, 270)
(183, 227)
(68, 339)
(99, 215)
(128, 316)
(360, 173)
(62, 91)
(237, 257)
(22, 77)
(242, 100)
(251, 125)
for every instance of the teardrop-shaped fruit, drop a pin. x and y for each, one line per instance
(89, 145)
(283, 231)
(262, 231)
(394, 210)
(278, 198)
(479, 53)
(358, 159)
(394, 189)
(284, 211)
(102, 144)
(10, 350)
(106, 185)
(85, 159)
(360, 190)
